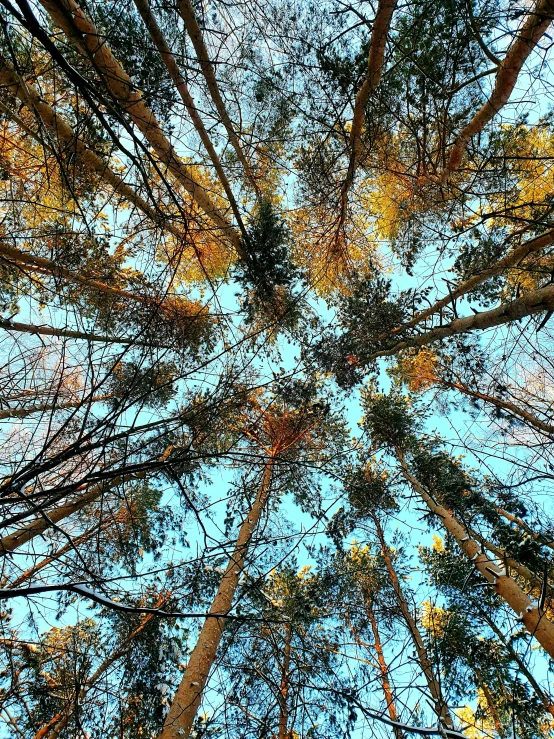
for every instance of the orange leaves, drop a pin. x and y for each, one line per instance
(352, 360)
(329, 253)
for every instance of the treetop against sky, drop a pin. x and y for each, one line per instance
(276, 378)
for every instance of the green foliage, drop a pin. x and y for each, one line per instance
(390, 419)
(446, 479)
(149, 667)
(368, 490)
(366, 315)
(278, 109)
(187, 406)
(267, 274)
(153, 387)
(470, 657)
(131, 45)
(447, 568)
(480, 251)
(293, 603)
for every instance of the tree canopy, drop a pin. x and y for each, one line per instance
(276, 369)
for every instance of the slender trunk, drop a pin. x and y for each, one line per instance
(383, 669)
(65, 333)
(32, 571)
(186, 11)
(535, 301)
(513, 257)
(47, 728)
(54, 122)
(182, 712)
(545, 699)
(156, 34)
(81, 31)
(193, 311)
(490, 702)
(24, 412)
(499, 403)
(375, 61)
(525, 41)
(284, 687)
(34, 469)
(441, 708)
(39, 525)
(23, 258)
(506, 587)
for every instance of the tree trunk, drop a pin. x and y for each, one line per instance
(47, 728)
(65, 333)
(24, 412)
(441, 708)
(500, 553)
(284, 687)
(535, 301)
(186, 11)
(54, 122)
(383, 669)
(28, 574)
(179, 720)
(39, 525)
(83, 34)
(375, 61)
(532, 420)
(534, 621)
(156, 34)
(525, 41)
(513, 257)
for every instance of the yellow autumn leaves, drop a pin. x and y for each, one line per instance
(417, 369)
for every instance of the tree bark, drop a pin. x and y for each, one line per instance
(182, 712)
(532, 420)
(39, 525)
(383, 669)
(65, 333)
(533, 302)
(375, 61)
(513, 257)
(24, 412)
(54, 122)
(506, 587)
(527, 38)
(186, 11)
(80, 30)
(441, 709)
(156, 34)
